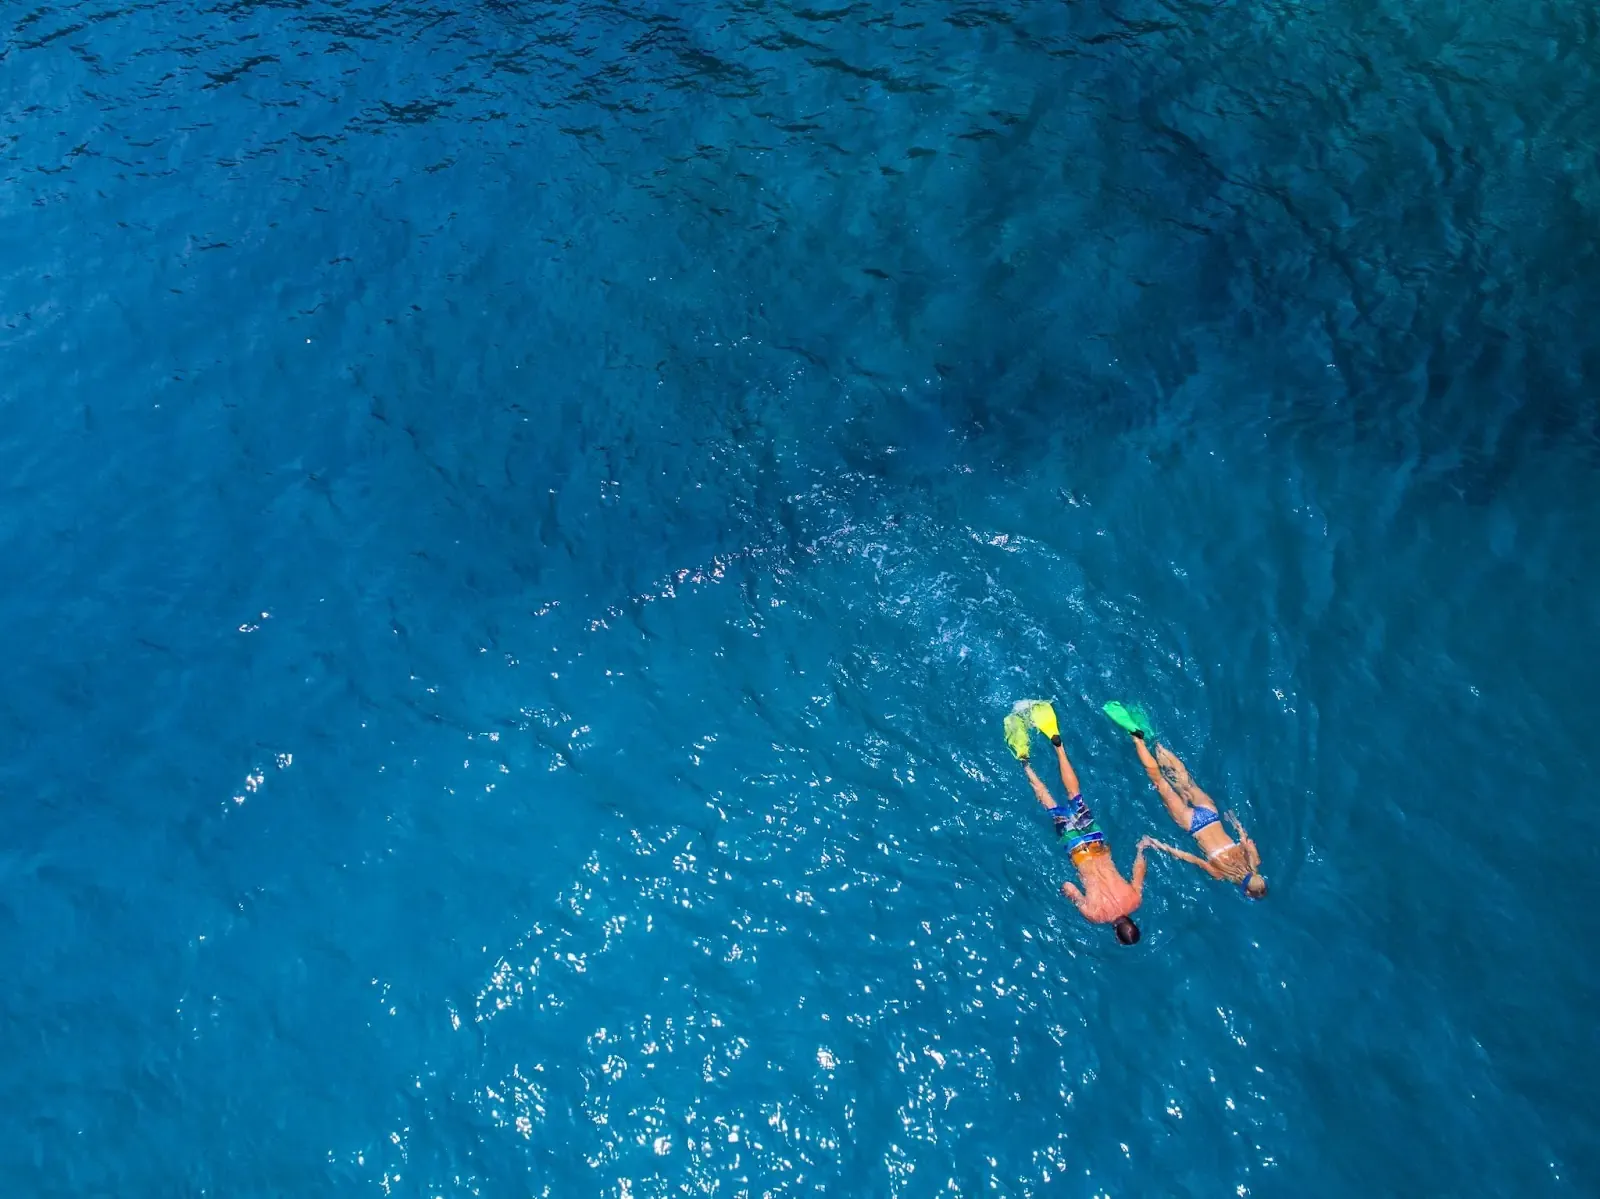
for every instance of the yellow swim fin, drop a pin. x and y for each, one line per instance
(1043, 717)
(1017, 736)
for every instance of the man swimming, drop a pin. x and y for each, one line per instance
(1194, 810)
(1105, 897)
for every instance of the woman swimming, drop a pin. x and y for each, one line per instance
(1196, 812)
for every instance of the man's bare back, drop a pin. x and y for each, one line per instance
(1106, 896)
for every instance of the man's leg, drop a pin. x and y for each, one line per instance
(1186, 786)
(1074, 821)
(1072, 817)
(1176, 807)
(1069, 777)
(1039, 789)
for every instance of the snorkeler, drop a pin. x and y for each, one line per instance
(1106, 897)
(1194, 810)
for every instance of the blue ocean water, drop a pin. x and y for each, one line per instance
(523, 521)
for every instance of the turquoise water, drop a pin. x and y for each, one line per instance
(523, 522)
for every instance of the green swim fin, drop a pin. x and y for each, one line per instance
(1017, 736)
(1043, 717)
(1132, 718)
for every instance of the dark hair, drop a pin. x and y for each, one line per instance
(1255, 887)
(1127, 930)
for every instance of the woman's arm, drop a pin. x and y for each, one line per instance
(1245, 840)
(1152, 843)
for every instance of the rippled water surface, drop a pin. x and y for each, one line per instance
(522, 522)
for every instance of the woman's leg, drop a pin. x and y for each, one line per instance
(1186, 786)
(1176, 807)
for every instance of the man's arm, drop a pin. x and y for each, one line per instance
(1139, 866)
(1072, 893)
(1174, 851)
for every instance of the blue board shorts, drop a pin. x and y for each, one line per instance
(1077, 831)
